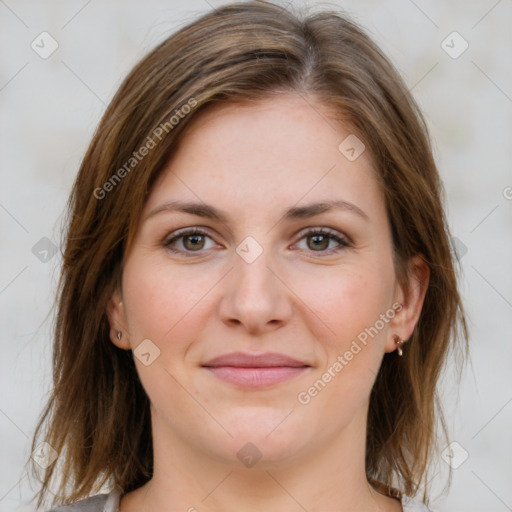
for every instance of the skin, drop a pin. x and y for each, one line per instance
(253, 161)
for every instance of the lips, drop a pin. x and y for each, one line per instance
(255, 370)
(243, 360)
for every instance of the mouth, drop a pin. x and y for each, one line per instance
(255, 371)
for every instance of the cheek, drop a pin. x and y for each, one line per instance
(344, 301)
(344, 311)
(165, 304)
(165, 300)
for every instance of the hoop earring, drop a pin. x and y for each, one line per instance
(399, 344)
(119, 335)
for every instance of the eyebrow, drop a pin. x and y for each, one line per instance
(295, 212)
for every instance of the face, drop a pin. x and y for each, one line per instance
(256, 269)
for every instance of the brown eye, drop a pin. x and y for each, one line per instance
(188, 241)
(318, 240)
(192, 242)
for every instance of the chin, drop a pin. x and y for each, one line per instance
(261, 436)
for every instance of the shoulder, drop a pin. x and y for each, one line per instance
(410, 505)
(99, 503)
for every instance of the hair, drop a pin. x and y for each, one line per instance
(97, 417)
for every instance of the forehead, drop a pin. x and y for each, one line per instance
(264, 154)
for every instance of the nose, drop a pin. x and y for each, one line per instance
(255, 297)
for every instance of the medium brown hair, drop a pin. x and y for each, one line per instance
(97, 417)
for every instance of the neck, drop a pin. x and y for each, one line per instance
(328, 476)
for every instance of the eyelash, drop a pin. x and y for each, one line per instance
(344, 243)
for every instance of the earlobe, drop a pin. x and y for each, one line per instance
(411, 296)
(117, 321)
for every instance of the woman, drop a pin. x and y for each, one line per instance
(258, 293)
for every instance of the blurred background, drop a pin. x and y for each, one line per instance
(61, 62)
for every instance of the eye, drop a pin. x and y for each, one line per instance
(191, 240)
(319, 239)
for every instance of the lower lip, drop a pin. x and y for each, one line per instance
(256, 377)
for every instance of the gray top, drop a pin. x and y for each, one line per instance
(110, 503)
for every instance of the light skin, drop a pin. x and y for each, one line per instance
(305, 296)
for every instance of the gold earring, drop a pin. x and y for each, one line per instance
(399, 344)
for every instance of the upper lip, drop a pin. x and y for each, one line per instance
(245, 360)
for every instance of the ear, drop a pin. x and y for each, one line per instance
(410, 296)
(117, 320)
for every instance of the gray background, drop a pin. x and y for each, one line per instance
(50, 107)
